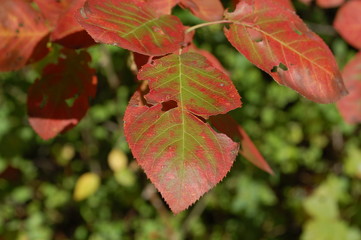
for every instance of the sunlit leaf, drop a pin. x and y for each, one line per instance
(59, 100)
(329, 230)
(277, 41)
(348, 22)
(86, 185)
(323, 203)
(322, 207)
(227, 125)
(180, 153)
(21, 30)
(210, 10)
(352, 163)
(350, 106)
(132, 25)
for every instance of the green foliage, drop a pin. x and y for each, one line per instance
(314, 194)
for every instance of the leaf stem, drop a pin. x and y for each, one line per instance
(207, 24)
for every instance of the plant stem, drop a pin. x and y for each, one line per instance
(207, 24)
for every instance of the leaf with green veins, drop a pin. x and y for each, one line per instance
(277, 41)
(132, 25)
(180, 153)
(193, 82)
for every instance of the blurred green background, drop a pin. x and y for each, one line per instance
(314, 194)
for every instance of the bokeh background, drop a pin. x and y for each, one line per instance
(314, 194)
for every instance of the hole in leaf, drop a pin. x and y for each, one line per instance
(202, 119)
(274, 69)
(44, 101)
(281, 66)
(70, 101)
(166, 106)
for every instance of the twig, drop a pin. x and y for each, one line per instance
(150, 193)
(107, 65)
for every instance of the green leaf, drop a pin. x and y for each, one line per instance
(329, 230)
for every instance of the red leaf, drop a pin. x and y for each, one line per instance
(284, 3)
(350, 106)
(132, 25)
(59, 100)
(39, 51)
(227, 125)
(80, 39)
(68, 32)
(162, 7)
(348, 22)
(51, 9)
(180, 153)
(210, 57)
(21, 29)
(329, 3)
(210, 10)
(277, 41)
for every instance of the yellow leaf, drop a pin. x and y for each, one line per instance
(117, 160)
(87, 184)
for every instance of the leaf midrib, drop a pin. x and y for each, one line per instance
(181, 106)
